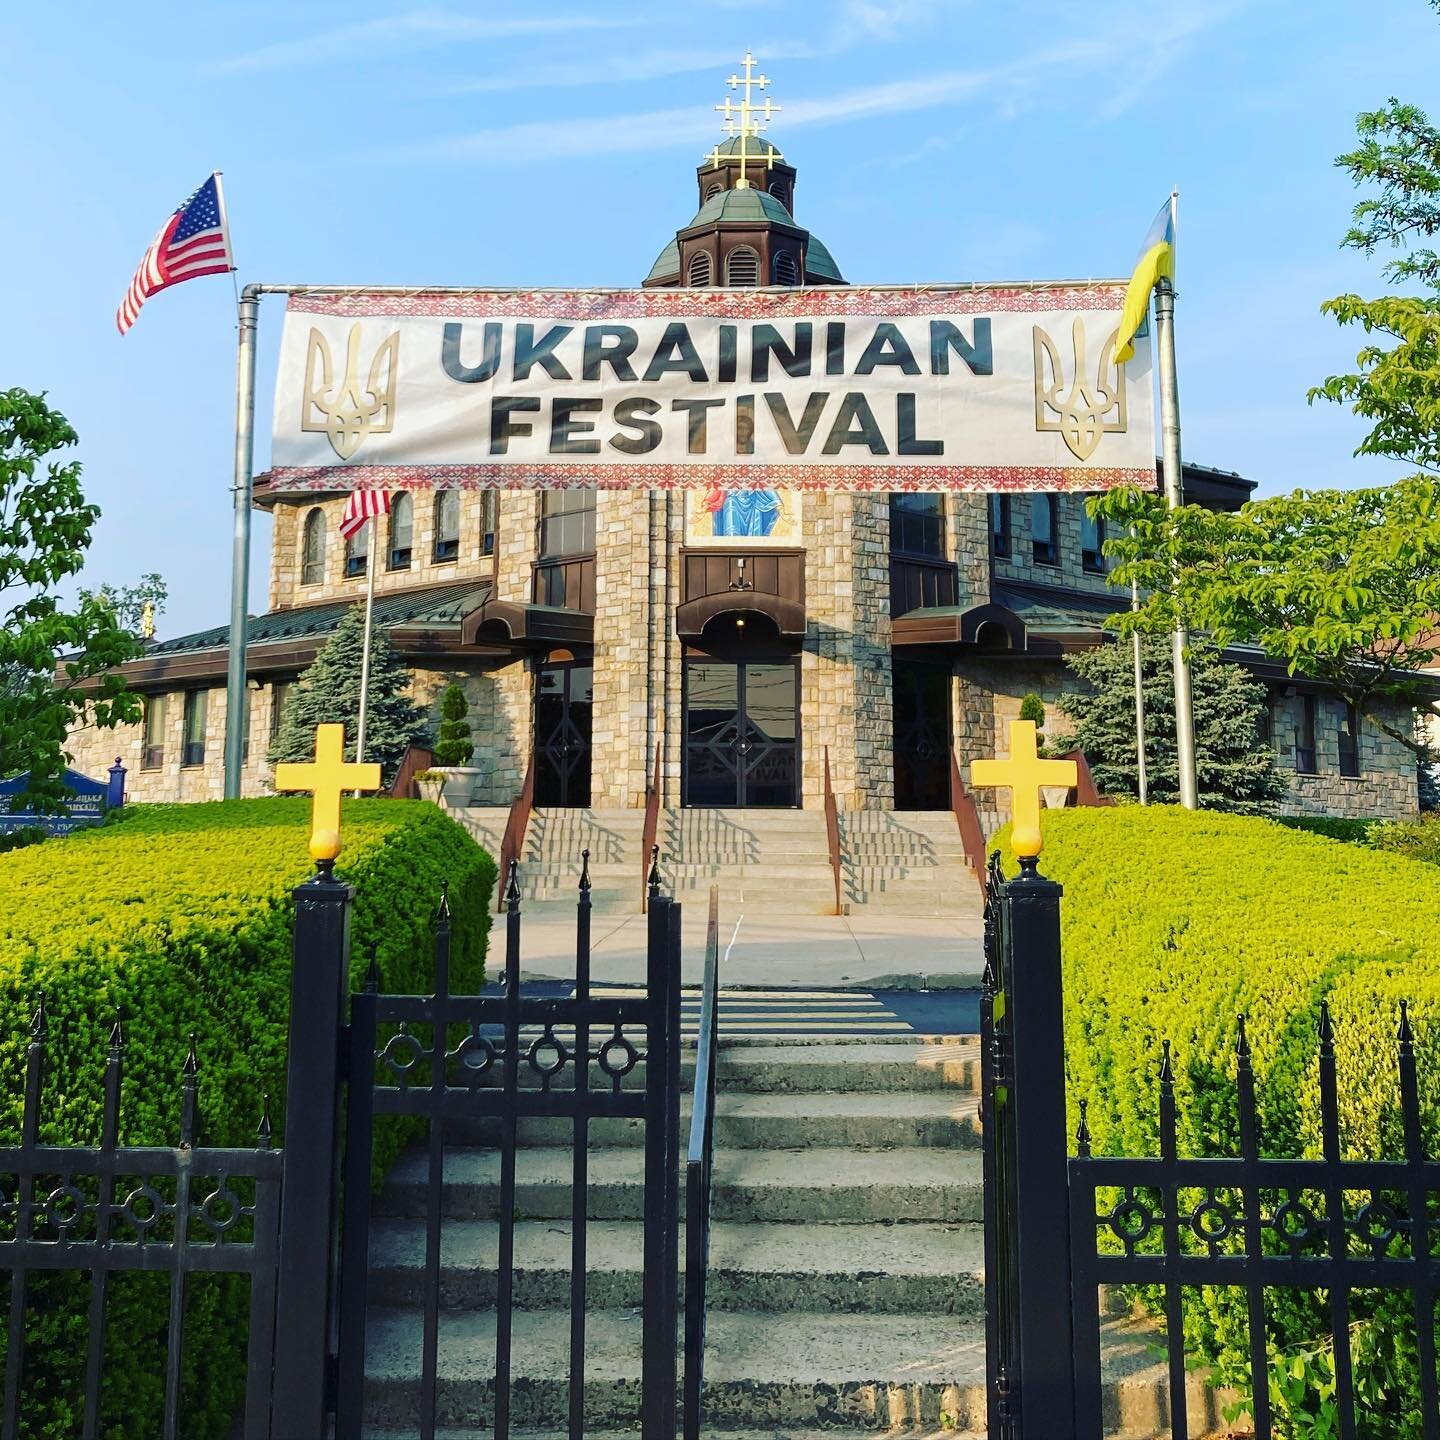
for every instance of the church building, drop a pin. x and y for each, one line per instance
(752, 640)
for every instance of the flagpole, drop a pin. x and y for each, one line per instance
(242, 490)
(1170, 460)
(1140, 772)
(370, 568)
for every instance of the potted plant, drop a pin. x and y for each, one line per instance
(430, 783)
(453, 749)
(1032, 707)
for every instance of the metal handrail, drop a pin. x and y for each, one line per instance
(832, 834)
(652, 826)
(515, 827)
(415, 759)
(967, 817)
(698, 1167)
(1085, 792)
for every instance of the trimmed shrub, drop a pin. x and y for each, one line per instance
(183, 919)
(453, 746)
(1174, 923)
(1331, 826)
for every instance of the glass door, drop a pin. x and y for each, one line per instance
(563, 711)
(741, 733)
(922, 736)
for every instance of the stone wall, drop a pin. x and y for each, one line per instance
(1021, 565)
(828, 663)
(1387, 785)
(288, 539)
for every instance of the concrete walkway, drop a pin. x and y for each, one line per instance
(786, 952)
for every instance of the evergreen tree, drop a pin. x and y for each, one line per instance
(453, 747)
(329, 694)
(1235, 766)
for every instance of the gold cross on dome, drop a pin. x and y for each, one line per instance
(326, 777)
(1023, 774)
(746, 120)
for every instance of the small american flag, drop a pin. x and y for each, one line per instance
(193, 241)
(361, 505)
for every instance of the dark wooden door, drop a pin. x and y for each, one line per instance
(563, 711)
(922, 736)
(741, 733)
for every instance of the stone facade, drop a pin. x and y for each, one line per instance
(1387, 784)
(1022, 566)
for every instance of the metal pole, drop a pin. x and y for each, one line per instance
(1141, 776)
(240, 555)
(1170, 457)
(370, 567)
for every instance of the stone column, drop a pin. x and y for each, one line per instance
(873, 701)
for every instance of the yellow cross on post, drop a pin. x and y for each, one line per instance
(1023, 774)
(325, 778)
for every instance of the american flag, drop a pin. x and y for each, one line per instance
(361, 505)
(193, 241)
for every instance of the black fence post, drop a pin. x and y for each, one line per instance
(312, 1124)
(1040, 1204)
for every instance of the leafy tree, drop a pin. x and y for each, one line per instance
(57, 662)
(135, 607)
(1235, 768)
(1343, 585)
(454, 746)
(328, 693)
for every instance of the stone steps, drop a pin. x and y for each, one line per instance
(867, 1186)
(876, 1269)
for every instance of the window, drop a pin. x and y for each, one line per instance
(1350, 743)
(777, 189)
(447, 526)
(280, 693)
(1000, 526)
(1092, 541)
(700, 269)
(489, 512)
(402, 532)
(1265, 724)
(152, 743)
(567, 523)
(1044, 529)
(357, 552)
(787, 271)
(742, 267)
(713, 189)
(917, 525)
(1305, 738)
(312, 554)
(193, 751)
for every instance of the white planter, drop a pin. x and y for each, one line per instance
(430, 788)
(460, 782)
(1056, 797)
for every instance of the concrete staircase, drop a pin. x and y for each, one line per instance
(766, 862)
(845, 1288)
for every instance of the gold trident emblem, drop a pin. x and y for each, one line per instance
(1080, 416)
(349, 412)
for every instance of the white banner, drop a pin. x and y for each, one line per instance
(981, 388)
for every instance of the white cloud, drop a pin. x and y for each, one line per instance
(408, 32)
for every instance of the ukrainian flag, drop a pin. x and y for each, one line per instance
(1157, 260)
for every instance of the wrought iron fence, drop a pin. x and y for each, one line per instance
(179, 1211)
(698, 1169)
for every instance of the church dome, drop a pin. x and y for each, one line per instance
(756, 147)
(747, 204)
(667, 264)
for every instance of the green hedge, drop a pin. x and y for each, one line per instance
(182, 917)
(1174, 923)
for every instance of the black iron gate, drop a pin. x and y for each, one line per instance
(498, 1058)
(1058, 1229)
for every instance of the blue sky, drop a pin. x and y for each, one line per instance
(555, 143)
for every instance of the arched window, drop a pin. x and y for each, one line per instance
(357, 552)
(402, 532)
(777, 189)
(447, 526)
(742, 267)
(713, 189)
(1092, 541)
(312, 552)
(787, 272)
(1045, 529)
(700, 269)
(1000, 526)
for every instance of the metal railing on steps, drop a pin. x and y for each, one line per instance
(652, 828)
(514, 840)
(698, 1168)
(832, 834)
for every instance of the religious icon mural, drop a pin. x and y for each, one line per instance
(717, 515)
